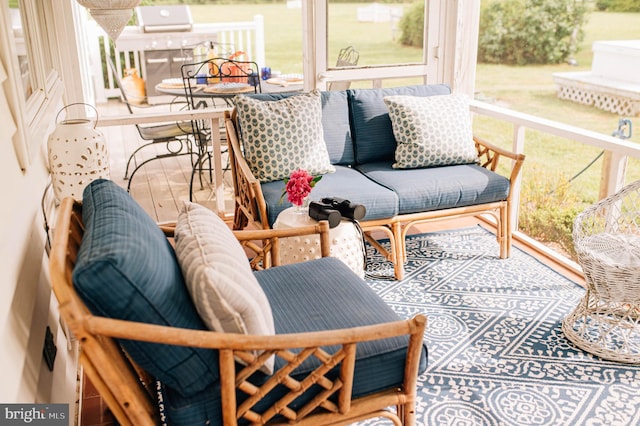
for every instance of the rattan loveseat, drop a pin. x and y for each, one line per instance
(339, 353)
(361, 144)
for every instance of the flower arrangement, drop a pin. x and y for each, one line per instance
(298, 186)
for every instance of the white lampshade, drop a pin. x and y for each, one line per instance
(111, 15)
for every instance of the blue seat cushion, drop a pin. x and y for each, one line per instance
(325, 293)
(437, 188)
(126, 269)
(372, 131)
(345, 182)
(335, 123)
(307, 297)
(203, 408)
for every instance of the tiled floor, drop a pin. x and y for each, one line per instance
(94, 411)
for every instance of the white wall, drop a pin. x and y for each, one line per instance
(24, 288)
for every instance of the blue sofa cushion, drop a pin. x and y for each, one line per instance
(335, 123)
(345, 182)
(126, 269)
(436, 188)
(371, 126)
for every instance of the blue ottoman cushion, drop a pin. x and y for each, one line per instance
(126, 269)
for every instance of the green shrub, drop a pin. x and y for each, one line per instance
(412, 25)
(618, 5)
(548, 208)
(521, 32)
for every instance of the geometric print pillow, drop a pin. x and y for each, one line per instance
(284, 135)
(431, 131)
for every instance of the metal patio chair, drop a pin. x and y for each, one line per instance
(175, 136)
(204, 81)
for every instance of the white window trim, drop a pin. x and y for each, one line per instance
(315, 64)
(450, 40)
(33, 116)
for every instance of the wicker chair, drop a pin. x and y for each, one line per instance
(129, 390)
(606, 322)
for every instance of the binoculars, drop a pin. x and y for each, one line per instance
(346, 208)
(334, 209)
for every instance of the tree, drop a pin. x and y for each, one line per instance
(412, 25)
(521, 32)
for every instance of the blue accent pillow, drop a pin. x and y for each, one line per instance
(126, 269)
(371, 126)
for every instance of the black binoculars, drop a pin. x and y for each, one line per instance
(334, 209)
(322, 211)
(346, 208)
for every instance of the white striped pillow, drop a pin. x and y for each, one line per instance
(218, 276)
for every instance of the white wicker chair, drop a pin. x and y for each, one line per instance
(606, 322)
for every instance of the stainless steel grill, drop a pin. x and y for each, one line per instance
(165, 38)
(153, 19)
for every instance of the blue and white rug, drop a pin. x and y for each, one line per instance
(497, 354)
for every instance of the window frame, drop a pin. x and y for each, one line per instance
(315, 15)
(35, 114)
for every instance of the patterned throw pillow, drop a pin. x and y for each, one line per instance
(218, 276)
(431, 131)
(284, 135)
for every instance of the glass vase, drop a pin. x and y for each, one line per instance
(302, 209)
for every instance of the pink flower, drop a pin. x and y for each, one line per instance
(298, 186)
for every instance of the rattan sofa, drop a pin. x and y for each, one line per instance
(360, 142)
(341, 354)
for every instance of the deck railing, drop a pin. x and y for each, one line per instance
(246, 36)
(617, 151)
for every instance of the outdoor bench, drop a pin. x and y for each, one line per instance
(176, 327)
(456, 175)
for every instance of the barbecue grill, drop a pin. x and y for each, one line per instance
(165, 37)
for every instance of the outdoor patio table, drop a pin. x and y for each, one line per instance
(208, 91)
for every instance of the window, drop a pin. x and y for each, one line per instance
(34, 88)
(373, 31)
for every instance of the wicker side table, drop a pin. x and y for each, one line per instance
(346, 242)
(606, 322)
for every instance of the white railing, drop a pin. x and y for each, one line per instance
(247, 36)
(617, 150)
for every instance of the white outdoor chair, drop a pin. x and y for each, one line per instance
(606, 235)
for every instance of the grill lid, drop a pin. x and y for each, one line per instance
(164, 18)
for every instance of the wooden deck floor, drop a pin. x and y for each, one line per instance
(162, 185)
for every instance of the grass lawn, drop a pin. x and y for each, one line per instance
(530, 89)
(527, 89)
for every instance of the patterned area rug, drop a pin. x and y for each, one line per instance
(497, 355)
